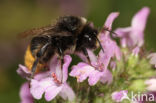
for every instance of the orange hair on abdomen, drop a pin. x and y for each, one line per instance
(29, 60)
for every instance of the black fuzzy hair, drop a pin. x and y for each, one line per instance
(87, 38)
(69, 23)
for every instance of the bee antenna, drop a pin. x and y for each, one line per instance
(107, 29)
(99, 43)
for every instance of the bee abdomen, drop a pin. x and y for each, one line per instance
(29, 60)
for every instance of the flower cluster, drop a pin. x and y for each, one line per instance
(50, 83)
(98, 69)
(115, 66)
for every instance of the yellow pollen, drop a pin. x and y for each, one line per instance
(82, 72)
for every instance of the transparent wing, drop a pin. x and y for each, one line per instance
(35, 31)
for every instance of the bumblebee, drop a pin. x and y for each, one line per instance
(70, 34)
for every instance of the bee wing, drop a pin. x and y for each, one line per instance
(35, 31)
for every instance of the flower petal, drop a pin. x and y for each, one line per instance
(113, 65)
(152, 58)
(122, 32)
(108, 24)
(138, 26)
(82, 56)
(25, 95)
(81, 71)
(51, 92)
(36, 90)
(38, 87)
(53, 63)
(110, 19)
(67, 61)
(59, 71)
(23, 71)
(76, 68)
(134, 35)
(119, 96)
(151, 84)
(67, 92)
(107, 42)
(94, 77)
(92, 56)
(42, 75)
(136, 51)
(55, 67)
(139, 20)
(106, 77)
(104, 58)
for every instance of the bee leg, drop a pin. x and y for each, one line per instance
(86, 54)
(34, 68)
(62, 62)
(61, 57)
(39, 55)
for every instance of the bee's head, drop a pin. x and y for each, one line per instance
(88, 38)
(71, 23)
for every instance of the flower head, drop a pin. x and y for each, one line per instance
(54, 83)
(98, 70)
(25, 94)
(152, 57)
(120, 96)
(134, 35)
(113, 65)
(23, 71)
(151, 84)
(136, 51)
(94, 72)
(111, 49)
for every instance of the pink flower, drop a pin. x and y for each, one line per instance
(151, 84)
(25, 95)
(113, 65)
(136, 51)
(120, 96)
(111, 49)
(94, 72)
(134, 35)
(152, 58)
(23, 71)
(55, 82)
(98, 70)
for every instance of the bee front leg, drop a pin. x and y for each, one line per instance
(61, 56)
(38, 56)
(84, 50)
(34, 66)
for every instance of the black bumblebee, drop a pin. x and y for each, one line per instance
(70, 34)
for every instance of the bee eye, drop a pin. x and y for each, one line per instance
(87, 36)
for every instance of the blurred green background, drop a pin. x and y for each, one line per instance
(19, 15)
